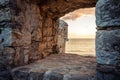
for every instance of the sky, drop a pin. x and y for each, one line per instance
(81, 23)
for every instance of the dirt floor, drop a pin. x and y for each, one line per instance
(58, 67)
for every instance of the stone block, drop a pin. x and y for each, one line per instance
(21, 74)
(8, 55)
(48, 22)
(21, 38)
(36, 75)
(37, 35)
(107, 13)
(50, 44)
(47, 52)
(49, 75)
(108, 47)
(21, 56)
(26, 59)
(107, 76)
(42, 46)
(78, 77)
(5, 37)
(47, 32)
(34, 53)
(48, 39)
(4, 2)
(4, 73)
(5, 15)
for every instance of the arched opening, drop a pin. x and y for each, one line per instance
(29, 32)
(70, 66)
(81, 32)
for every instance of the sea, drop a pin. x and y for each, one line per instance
(82, 46)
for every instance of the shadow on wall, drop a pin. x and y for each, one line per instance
(107, 76)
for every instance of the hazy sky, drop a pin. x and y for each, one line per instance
(81, 25)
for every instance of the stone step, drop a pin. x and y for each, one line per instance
(58, 67)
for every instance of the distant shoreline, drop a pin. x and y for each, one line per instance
(81, 38)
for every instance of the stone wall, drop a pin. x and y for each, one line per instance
(29, 28)
(23, 38)
(62, 35)
(108, 36)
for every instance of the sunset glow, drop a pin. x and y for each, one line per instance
(81, 32)
(82, 26)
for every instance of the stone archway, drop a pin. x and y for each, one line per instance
(29, 30)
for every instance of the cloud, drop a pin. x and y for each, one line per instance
(80, 12)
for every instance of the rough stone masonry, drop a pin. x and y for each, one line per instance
(108, 35)
(23, 39)
(29, 30)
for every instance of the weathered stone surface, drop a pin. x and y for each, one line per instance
(8, 55)
(21, 39)
(4, 72)
(49, 75)
(59, 10)
(5, 37)
(33, 24)
(31, 32)
(34, 53)
(108, 47)
(5, 14)
(58, 67)
(4, 3)
(78, 77)
(27, 74)
(21, 56)
(22, 74)
(62, 35)
(107, 13)
(47, 31)
(36, 75)
(107, 76)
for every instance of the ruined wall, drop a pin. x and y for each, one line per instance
(23, 38)
(62, 35)
(29, 28)
(108, 36)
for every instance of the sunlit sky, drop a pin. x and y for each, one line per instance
(82, 27)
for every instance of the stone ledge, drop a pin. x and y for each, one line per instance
(108, 47)
(108, 69)
(58, 67)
